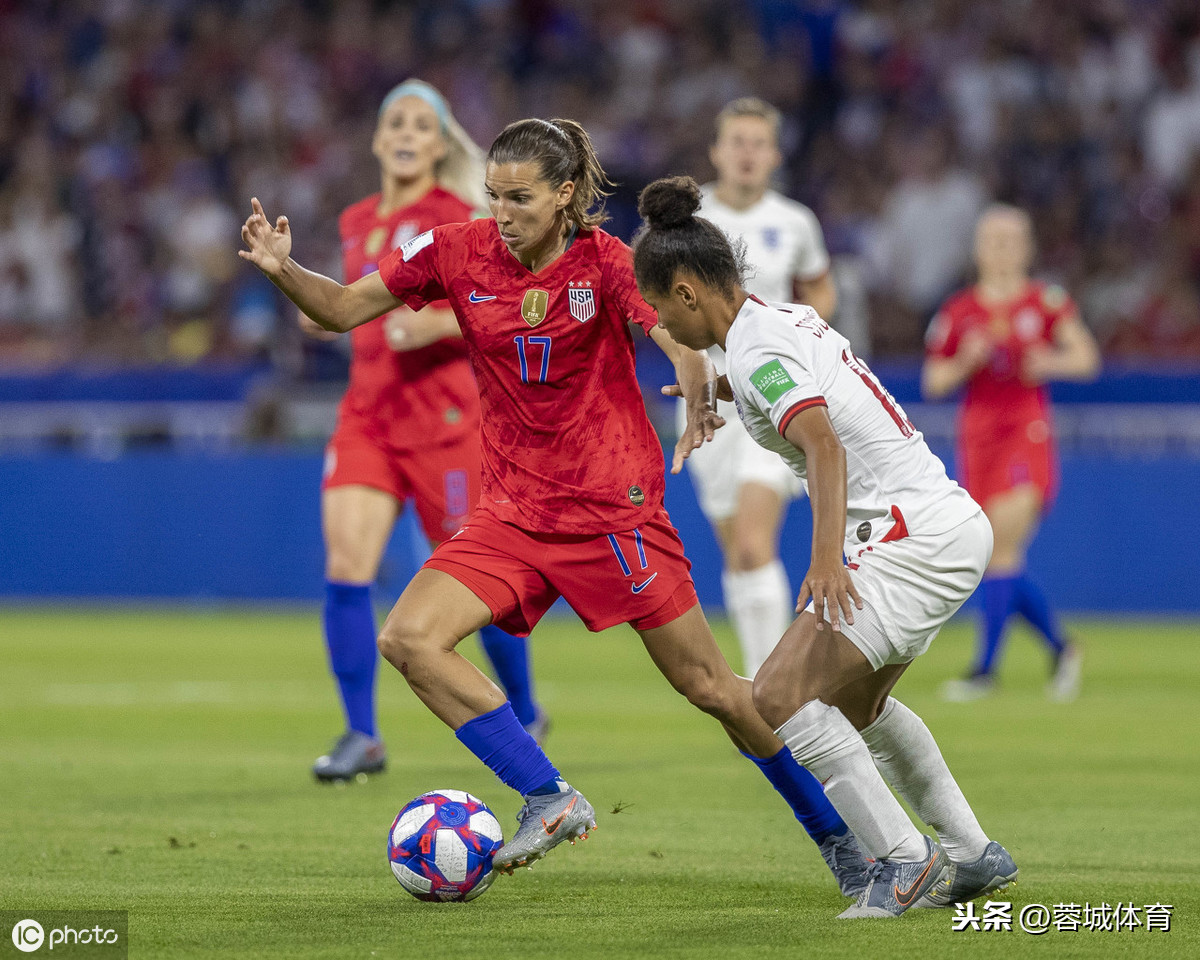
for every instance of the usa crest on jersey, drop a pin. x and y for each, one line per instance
(582, 301)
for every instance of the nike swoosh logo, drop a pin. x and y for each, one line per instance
(905, 897)
(476, 299)
(557, 822)
(639, 587)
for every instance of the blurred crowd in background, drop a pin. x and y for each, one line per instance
(132, 135)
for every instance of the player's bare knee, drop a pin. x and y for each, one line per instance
(768, 697)
(403, 643)
(748, 553)
(343, 565)
(706, 693)
(775, 697)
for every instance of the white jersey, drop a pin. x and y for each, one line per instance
(784, 359)
(783, 241)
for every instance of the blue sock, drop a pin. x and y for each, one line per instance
(350, 638)
(999, 598)
(498, 739)
(1031, 603)
(510, 659)
(803, 793)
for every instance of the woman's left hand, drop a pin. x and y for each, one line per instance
(1039, 364)
(832, 592)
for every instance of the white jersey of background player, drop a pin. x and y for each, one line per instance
(743, 489)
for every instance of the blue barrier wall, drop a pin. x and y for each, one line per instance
(246, 526)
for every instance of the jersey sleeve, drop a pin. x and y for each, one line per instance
(621, 288)
(812, 259)
(1057, 306)
(942, 337)
(412, 271)
(777, 375)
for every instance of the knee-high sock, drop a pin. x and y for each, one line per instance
(823, 740)
(759, 602)
(999, 598)
(510, 659)
(499, 740)
(909, 759)
(803, 793)
(350, 639)
(1032, 604)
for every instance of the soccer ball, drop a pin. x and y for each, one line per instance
(441, 846)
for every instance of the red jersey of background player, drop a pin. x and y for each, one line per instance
(407, 399)
(997, 398)
(567, 446)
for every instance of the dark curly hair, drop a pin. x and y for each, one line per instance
(674, 238)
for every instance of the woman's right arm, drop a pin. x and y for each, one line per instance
(827, 582)
(328, 303)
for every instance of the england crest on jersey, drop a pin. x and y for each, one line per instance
(582, 301)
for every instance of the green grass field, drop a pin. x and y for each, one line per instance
(157, 761)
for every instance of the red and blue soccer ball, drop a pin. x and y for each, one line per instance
(441, 846)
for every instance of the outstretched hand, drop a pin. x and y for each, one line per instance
(695, 434)
(267, 247)
(703, 421)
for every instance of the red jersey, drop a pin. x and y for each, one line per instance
(997, 399)
(567, 446)
(407, 399)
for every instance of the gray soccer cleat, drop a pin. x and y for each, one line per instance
(1066, 676)
(975, 687)
(895, 885)
(993, 870)
(354, 753)
(539, 727)
(545, 822)
(848, 864)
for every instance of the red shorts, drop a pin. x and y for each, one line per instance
(638, 576)
(1022, 454)
(443, 482)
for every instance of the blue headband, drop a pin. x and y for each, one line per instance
(419, 88)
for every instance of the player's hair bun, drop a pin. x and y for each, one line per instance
(669, 202)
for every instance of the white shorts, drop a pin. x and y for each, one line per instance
(719, 469)
(911, 587)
